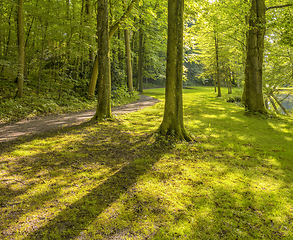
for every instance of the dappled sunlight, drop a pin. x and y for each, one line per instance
(46, 183)
(112, 180)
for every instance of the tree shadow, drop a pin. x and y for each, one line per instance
(122, 156)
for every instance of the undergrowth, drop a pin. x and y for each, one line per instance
(113, 180)
(31, 105)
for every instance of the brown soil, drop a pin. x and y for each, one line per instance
(9, 132)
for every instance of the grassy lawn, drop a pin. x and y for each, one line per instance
(112, 180)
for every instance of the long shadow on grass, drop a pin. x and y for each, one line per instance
(254, 159)
(123, 155)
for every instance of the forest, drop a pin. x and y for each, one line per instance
(188, 131)
(48, 51)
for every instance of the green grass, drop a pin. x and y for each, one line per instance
(112, 180)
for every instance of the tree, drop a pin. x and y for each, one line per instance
(128, 60)
(21, 45)
(253, 96)
(112, 30)
(217, 64)
(172, 123)
(140, 58)
(104, 86)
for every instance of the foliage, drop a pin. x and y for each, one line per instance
(121, 96)
(112, 180)
(32, 106)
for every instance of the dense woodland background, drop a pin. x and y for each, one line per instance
(60, 39)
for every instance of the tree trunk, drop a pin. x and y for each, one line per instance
(140, 60)
(93, 81)
(128, 61)
(41, 63)
(21, 44)
(111, 32)
(217, 65)
(230, 81)
(253, 96)
(6, 49)
(88, 8)
(173, 115)
(104, 83)
(279, 103)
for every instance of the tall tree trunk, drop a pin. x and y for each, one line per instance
(217, 65)
(41, 62)
(173, 115)
(89, 23)
(140, 59)
(112, 30)
(104, 83)
(128, 61)
(6, 49)
(253, 96)
(21, 45)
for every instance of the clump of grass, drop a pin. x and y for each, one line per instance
(113, 180)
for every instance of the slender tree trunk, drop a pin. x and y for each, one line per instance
(274, 105)
(140, 61)
(41, 63)
(215, 80)
(173, 115)
(217, 65)
(128, 61)
(89, 23)
(21, 46)
(279, 103)
(119, 48)
(104, 83)
(94, 77)
(6, 49)
(253, 96)
(230, 81)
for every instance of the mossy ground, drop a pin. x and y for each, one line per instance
(113, 180)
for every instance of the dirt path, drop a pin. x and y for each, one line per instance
(9, 132)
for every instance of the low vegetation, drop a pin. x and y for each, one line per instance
(116, 180)
(13, 109)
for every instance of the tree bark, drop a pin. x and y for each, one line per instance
(140, 60)
(93, 81)
(21, 46)
(217, 65)
(253, 96)
(128, 61)
(173, 115)
(111, 32)
(88, 7)
(104, 83)
(230, 81)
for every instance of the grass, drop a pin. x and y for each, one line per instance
(112, 180)
(31, 105)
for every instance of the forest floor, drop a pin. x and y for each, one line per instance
(118, 180)
(13, 131)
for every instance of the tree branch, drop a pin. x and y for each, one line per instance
(243, 44)
(280, 6)
(114, 28)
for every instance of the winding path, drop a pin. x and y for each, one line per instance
(13, 131)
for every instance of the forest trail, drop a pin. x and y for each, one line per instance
(13, 131)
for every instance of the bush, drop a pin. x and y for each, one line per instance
(234, 99)
(120, 96)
